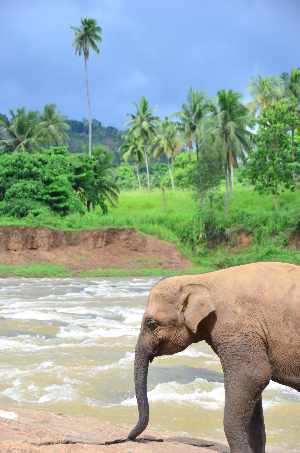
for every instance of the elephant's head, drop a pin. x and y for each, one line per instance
(169, 325)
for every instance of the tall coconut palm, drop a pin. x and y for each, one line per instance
(291, 87)
(20, 133)
(168, 142)
(191, 115)
(143, 127)
(229, 128)
(265, 92)
(51, 125)
(132, 148)
(86, 36)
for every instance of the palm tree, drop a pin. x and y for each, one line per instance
(191, 116)
(228, 128)
(143, 127)
(132, 148)
(106, 171)
(51, 125)
(86, 36)
(291, 87)
(20, 133)
(105, 164)
(291, 83)
(168, 142)
(264, 91)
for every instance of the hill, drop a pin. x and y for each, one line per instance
(110, 136)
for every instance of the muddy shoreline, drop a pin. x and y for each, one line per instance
(108, 248)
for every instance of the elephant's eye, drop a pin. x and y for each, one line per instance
(151, 324)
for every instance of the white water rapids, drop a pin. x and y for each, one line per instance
(67, 345)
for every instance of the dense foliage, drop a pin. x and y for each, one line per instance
(127, 176)
(273, 162)
(55, 181)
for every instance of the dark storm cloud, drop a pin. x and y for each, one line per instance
(157, 49)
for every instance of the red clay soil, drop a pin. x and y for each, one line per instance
(30, 431)
(109, 248)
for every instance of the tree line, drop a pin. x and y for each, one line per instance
(219, 131)
(60, 130)
(216, 134)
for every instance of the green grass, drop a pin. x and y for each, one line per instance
(35, 270)
(47, 270)
(200, 236)
(247, 199)
(137, 204)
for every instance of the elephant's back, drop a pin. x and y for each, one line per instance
(273, 288)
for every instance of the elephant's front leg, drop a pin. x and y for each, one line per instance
(243, 417)
(256, 430)
(245, 377)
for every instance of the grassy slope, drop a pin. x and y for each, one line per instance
(184, 224)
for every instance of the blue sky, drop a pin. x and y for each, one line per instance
(157, 49)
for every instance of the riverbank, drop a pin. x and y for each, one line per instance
(209, 240)
(46, 252)
(30, 431)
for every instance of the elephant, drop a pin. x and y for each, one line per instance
(250, 317)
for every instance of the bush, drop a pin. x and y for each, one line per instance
(57, 180)
(22, 207)
(127, 176)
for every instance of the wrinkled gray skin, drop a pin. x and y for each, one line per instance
(250, 316)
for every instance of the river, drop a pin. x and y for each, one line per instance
(67, 345)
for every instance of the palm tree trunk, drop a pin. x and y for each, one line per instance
(293, 157)
(200, 179)
(190, 152)
(232, 183)
(138, 176)
(170, 174)
(164, 197)
(146, 161)
(229, 177)
(226, 183)
(275, 198)
(90, 115)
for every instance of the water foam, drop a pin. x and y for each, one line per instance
(199, 392)
(58, 393)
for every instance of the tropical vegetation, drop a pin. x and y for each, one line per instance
(86, 36)
(144, 126)
(198, 155)
(55, 182)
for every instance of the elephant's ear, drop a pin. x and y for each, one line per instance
(198, 304)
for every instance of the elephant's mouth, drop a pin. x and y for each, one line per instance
(151, 358)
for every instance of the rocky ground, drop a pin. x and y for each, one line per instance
(108, 248)
(23, 430)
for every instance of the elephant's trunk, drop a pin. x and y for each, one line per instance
(141, 365)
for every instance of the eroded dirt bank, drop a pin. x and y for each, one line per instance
(23, 430)
(104, 249)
